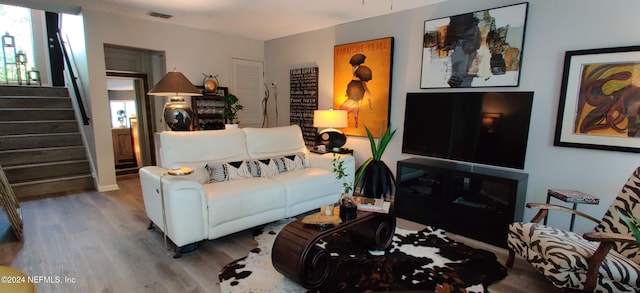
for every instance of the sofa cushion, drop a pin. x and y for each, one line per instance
(231, 200)
(307, 184)
(275, 141)
(220, 171)
(181, 147)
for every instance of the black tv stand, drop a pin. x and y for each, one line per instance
(476, 202)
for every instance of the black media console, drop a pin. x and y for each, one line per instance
(476, 202)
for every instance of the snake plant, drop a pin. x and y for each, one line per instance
(374, 177)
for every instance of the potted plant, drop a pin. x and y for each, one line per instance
(374, 177)
(230, 111)
(348, 207)
(122, 117)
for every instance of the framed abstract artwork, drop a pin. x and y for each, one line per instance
(362, 84)
(600, 100)
(476, 49)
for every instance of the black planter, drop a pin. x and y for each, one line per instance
(348, 213)
(377, 180)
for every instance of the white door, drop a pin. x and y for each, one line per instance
(248, 83)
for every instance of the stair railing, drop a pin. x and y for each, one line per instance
(10, 205)
(74, 80)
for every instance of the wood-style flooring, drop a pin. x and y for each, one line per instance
(99, 242)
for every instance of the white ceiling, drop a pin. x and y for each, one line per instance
(255, 19)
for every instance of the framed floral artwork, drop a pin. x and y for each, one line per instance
(600, 100)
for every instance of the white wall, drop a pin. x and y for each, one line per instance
(553, 27)
(190, 51)
(300, 51)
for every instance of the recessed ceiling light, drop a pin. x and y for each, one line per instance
(159, 15)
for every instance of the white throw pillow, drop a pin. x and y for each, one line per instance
(219, 172)
(263, 168)
(291, 162)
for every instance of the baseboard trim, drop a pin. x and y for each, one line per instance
(112, 187)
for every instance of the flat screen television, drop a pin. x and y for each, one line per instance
(488, 128)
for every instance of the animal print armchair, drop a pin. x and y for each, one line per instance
(604, 260)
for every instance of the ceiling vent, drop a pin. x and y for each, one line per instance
(159, 15)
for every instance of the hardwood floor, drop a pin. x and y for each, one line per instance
(99, 242)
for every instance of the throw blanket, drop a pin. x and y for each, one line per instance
(416, 260)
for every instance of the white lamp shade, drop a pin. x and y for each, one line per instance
(330, 119)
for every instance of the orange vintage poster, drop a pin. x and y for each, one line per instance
(362, 84)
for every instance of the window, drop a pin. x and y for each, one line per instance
(121, 113)
(17, 23)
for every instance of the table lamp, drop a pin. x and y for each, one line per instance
(330, 120)
(177, 114)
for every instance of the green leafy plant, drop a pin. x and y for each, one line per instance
(374, 176)
(122, 117)
(346, 200)
(341, 175)
(632, 222)
(230, 111)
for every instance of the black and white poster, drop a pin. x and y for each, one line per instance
(304, 100)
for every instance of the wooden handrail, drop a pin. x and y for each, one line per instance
(545, 207)
(76, 89)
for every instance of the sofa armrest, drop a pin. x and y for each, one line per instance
(325, 161)
(185, 205)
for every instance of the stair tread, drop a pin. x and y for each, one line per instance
(33, 97)
(38, 109)
(37, 121)
(38, 134)
(45, 91)
(55, 179)
(43, 164)
(41, 149)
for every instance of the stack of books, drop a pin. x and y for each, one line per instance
(369, 204)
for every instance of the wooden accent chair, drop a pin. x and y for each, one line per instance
(604, 260)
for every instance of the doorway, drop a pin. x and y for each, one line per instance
(130, 126)
(137, 67)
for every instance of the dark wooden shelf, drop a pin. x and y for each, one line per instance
(208, 111)
(210, 116)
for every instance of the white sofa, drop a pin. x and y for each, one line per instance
(198, 210)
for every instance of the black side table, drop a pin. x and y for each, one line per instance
(339, 151)
(571, 196)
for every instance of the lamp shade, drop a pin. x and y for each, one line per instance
(330, 118)
(178, 116)
(174, 84)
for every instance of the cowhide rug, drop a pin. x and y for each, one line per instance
(417, 260)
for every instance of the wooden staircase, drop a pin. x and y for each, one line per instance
(41, 147)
